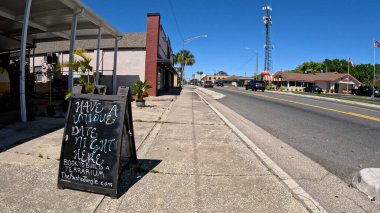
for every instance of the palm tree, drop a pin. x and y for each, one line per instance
(184, 57)
(81, 64)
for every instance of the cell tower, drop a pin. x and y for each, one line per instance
(268, 47)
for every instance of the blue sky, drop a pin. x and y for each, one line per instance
(302, 30)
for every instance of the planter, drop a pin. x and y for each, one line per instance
(140, 103)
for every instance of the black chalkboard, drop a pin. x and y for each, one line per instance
(98, 133)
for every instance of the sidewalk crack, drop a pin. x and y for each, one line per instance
(213, 175)
(29, 154)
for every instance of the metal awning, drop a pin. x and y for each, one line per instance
(166, 64)
(49, 20)
(25, 22)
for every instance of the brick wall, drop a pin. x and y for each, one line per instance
(152, 36)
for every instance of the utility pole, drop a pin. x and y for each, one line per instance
(257, 64)
(183, 62)
(268, 47)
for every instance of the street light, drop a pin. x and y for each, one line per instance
(186, 41)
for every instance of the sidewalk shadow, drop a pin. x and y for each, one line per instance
(133, 173)
(171, 91)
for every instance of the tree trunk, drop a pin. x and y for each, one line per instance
(182, 73)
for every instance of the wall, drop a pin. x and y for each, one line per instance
(4, 82)
(129, 63)
(323, 85)
(130, 66)
(162, 45)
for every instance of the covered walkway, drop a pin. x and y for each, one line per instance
(23, 23)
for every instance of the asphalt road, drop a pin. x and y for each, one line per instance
(343, 139)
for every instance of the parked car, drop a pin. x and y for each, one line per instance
(219, 84)
(365, 90)
(313, 89)
(255, 85)
(208, 84)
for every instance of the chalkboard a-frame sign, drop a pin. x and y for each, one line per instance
(98, 135)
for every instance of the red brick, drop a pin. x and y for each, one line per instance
(152, 36)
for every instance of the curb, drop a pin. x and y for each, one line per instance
(374, 106)
(368, 182)
(299, 193)
(146, 143)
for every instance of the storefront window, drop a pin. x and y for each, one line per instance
(159, 80)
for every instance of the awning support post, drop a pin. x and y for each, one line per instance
(98, 55)
(22, 60)
(115, 66)
(72, 46)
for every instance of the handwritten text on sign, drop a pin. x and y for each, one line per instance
(91, 140)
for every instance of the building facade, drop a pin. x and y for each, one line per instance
(214, 78)
(140, 56)
(330, 82)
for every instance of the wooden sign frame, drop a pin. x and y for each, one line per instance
(124, 149)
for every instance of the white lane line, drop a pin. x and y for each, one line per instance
(311, 204)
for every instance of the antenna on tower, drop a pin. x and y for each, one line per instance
(267, 19)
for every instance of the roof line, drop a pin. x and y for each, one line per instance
(76, 5)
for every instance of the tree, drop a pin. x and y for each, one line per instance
(199, 73)
(315, 67)
(336, 65)
(362, 72)
(81, 65)
(221, 73)
(184, 58)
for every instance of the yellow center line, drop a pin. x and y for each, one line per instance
(325, 108)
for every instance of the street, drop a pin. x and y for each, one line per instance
(336, 140)
(341, 138)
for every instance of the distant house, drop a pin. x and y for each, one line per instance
(197, 77)
(330, 82)
(227, 79)
(240, 80)
(214, 78)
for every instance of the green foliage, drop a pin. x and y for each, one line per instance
(221, 73)
(316, 67)
(184, 58)
(81, 65)
(88, 86)
(68, 95)
(362, 72)
(140, 90)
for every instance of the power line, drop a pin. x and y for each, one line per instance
(175, 19)
(245, 64)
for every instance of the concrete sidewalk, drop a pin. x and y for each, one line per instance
(189, 161)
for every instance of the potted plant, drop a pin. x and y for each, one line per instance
(140, 91)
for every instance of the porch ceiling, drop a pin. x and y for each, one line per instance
(50, 20)
(166, 64)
